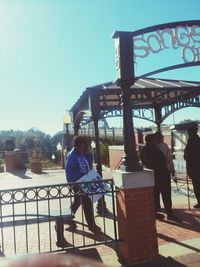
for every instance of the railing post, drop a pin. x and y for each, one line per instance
(158, 116)
(113, 135)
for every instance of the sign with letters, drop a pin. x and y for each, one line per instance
(179, 40)
(93, 188)
(185, 37)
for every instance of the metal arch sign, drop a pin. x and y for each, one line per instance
(139, 44)
(185, 37)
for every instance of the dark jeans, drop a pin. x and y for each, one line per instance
(101, 204)
(87, 207)
(59, 227)
(86, 203)
(196, 185)
(163, 187)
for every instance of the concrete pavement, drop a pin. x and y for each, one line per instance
(179, 243)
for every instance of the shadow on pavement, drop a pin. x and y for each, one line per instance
(173, 240)
(91, 253)
(189, 220)
(108, 215)
(161, 262)
(21, 174)
(81, 232)
(98, 236)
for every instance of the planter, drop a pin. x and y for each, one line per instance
(36, 167)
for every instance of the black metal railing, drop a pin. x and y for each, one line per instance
(33, 218)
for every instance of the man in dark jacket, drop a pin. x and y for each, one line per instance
(154, 159)
(192, 157)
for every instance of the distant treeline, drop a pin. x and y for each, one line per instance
(29, 140)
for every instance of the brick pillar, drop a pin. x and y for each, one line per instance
(136, 217)
(10, 161)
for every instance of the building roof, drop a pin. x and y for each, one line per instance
(144, 93)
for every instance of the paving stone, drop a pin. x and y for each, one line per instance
(171, 235)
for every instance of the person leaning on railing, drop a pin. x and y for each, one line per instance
(78, 162)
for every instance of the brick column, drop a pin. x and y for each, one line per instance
(10, 161)
(136, 216)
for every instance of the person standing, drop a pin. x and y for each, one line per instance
(163, 147)
(78, 163)
(153, 158)
(192, 158)
(159, 139)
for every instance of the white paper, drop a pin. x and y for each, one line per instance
(93, 188)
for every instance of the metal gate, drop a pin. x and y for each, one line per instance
(29, 218)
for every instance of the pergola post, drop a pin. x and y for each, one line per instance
(158, 116)
(130, 159)
(76, 125)
(134, 211)
(125, 72)
(95, 110)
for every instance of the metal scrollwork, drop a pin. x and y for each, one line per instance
(145, 114)
(185, 37)
(171, 108)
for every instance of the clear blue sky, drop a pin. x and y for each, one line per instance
(51, 50)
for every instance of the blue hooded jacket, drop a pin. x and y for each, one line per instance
(73, 167)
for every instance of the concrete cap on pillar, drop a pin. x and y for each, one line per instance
(137, 179)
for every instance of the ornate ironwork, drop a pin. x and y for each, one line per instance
(182, 34)
(27, 215)
(110, 100)
(171, 108)
(111, 113)
(145, 114)
(147, 94)
(140, 113)
(171, 99)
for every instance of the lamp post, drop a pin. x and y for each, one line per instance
(65, 140)
(67, 121)
(60, 149)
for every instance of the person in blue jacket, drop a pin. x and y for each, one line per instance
(79, 162)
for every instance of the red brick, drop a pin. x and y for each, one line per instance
(136, 212)
(115, 157)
